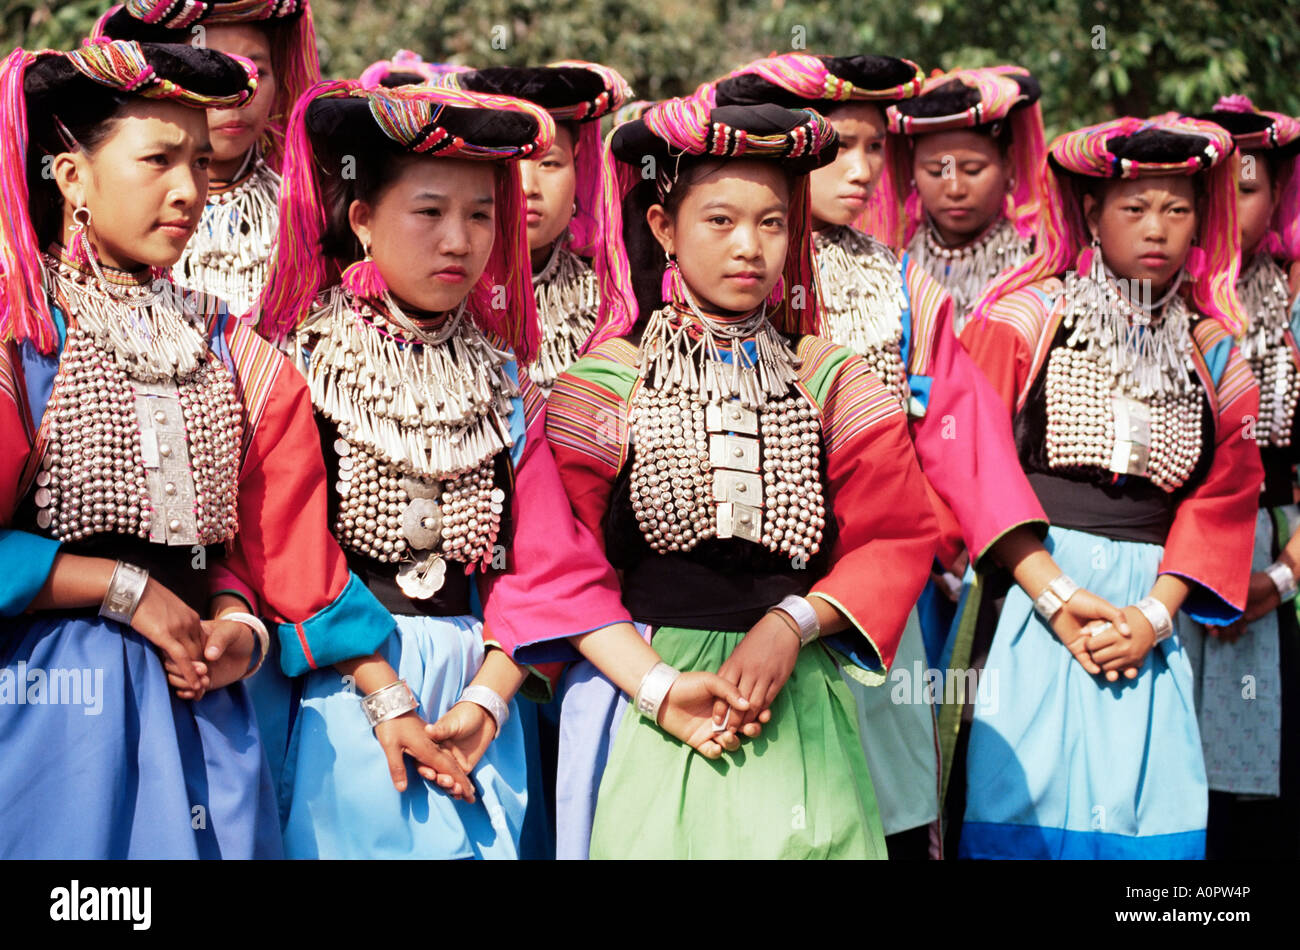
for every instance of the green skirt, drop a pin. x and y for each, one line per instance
(801, 790)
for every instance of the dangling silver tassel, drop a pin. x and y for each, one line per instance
(230, 252)
(568, 301)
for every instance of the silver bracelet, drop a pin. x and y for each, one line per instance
(1283, 580)
(259, 631)
(490, 700)
(804, 614)
(125, 590)
(389, 702)
(654, 687)
(1055, 596)
(1157, 615)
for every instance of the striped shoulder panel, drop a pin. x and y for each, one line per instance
(8, 376)
(534, 401)
(1027, 310)
(617, 350)
(257, 364)
(587, 409)
(1232, 375)
(926, 298)
(851, 397)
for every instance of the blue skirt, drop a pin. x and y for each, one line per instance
(102, 761)
(336, 797)
(1062, 764)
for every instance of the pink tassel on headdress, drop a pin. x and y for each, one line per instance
(1196, 264)
(24, 311)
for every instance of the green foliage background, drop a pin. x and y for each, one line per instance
(1096, 58)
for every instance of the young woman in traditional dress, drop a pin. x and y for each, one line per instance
(754, 483)
(1113, 351)
(964, 156)
(158, 464)
(563, 190)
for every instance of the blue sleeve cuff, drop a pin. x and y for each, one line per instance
(1206, 607)
(26, 560)
(355, 624)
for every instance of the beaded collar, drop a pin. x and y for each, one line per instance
(149, 324)
(966, 271)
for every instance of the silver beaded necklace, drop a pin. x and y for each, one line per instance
(230, 251)
(966, 271)
(724, 450)
(1121, 394)
(1265, 295)
(862, 301)
(421, 420)
(143, 428)
(568, 300)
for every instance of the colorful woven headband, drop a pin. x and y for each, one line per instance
(632, 110)
(800, 79)
(678, 128)
(1254, 129)
(448, 123)
(178, 14)
(964, 99)
(406, 69)
(1138, 148)
(133, 68)
(570, 90)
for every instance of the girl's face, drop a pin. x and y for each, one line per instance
(730, 233)
(1255, 198)
(840, 190)
(1146, 227)
(235, 131)
(145, 185)
(550, 183)
(431, 230)
(962, 179)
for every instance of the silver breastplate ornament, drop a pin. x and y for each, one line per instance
(230, 251)
(724, 449)
(144, 426)
(1121, 393)
(421, 418)
(568, 300)
(1265, 296)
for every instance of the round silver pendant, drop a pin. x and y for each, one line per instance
(422, 524)
(345, 463)
(342, 447)
(43, 518)
(43, 498)
(498, 496)
(422, 580)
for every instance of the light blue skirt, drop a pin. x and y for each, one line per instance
(336, 797)
(102, 761)
(1062, 764)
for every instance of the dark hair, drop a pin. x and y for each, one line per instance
(90, 120)
(373, 170)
